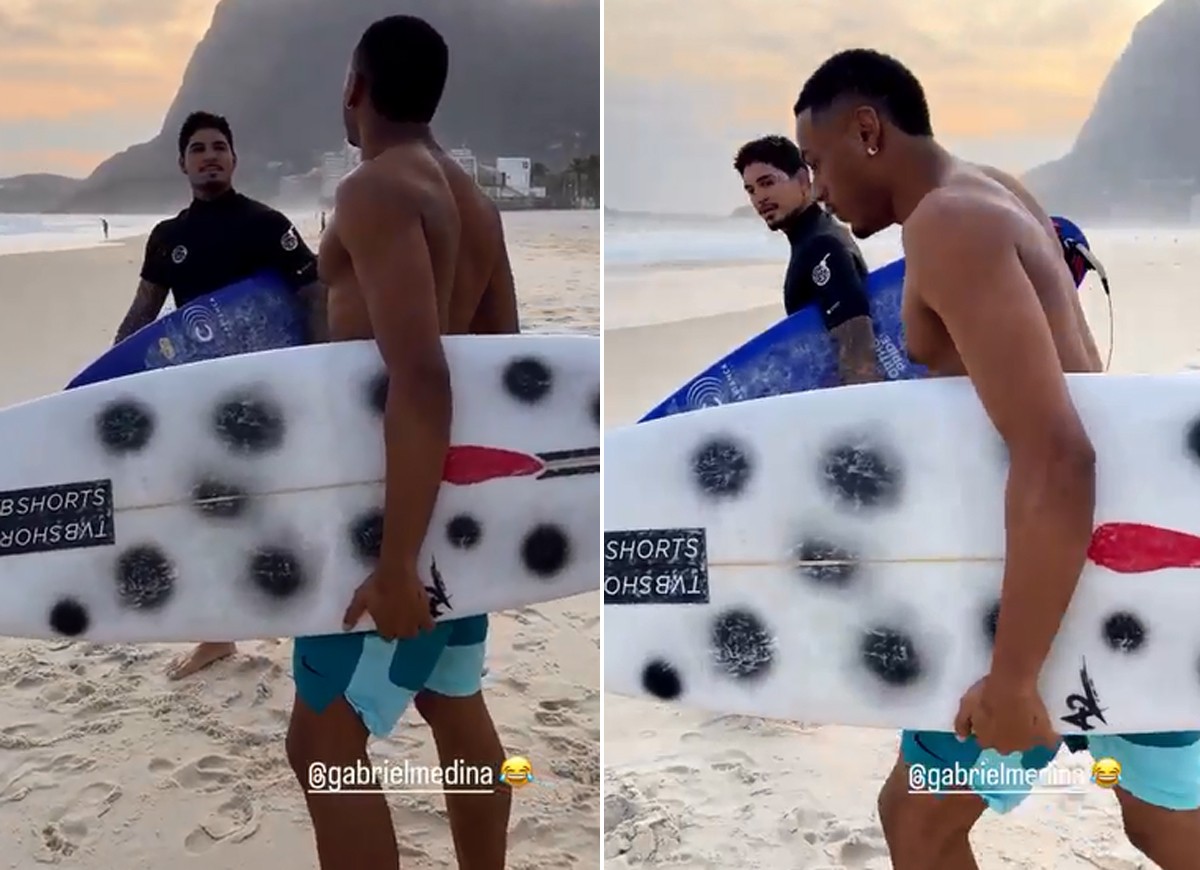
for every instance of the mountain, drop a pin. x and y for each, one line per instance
(1135, 156)
(36, 192)
(524, 81)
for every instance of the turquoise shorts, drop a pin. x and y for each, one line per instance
(378, 678)
(1162, 769)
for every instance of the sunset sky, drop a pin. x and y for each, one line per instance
(82, 79)
(687, 81)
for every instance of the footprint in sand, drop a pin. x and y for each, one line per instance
(70, 824)
(233, 821)
(205, 774)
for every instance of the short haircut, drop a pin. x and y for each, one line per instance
(198, 121)
(405, 62)
(776, 151)
(877, 79)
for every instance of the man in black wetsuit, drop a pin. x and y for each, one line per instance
(222, 237)
(826, 267)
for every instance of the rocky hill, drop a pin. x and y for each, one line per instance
(1135, 157)
(524, 81)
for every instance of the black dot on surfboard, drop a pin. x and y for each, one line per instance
(69, 617)
(249, 423)
(596, 408)
(1192, 440)
(661, 680)
(216, 499)
(721, 468)
(124, 426)
(742, 646)
(464, 531)
(145, 578)
(545, 550)
(891, 655)
(826, 563)
(1124, 632)
(528, 380)
(377, 390)
(366, 535)
(276, 572)
(991, 619)
(861, 477)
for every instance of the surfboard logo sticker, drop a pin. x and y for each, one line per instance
(656, 566)
(65, 516)
(821, 273)
(199, 323)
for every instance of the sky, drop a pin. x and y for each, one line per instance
(687, 81)
(83, 79)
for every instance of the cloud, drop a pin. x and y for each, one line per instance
(1005, 70)
(63, 60)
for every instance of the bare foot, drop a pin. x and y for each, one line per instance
(199, 658)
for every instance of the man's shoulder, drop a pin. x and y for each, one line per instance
(956, 217)
(259, 210)
(169, 226)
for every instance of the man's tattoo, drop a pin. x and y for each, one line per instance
(147, 303)
(857, 363)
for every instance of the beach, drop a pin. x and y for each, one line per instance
(104, 763)
(684, 788)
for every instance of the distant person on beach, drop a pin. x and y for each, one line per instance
(104, 226)
(987, 296)
(413, 251)
(222, 237)
(826, 268)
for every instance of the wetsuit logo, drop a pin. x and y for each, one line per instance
(289, 242)
(821, 273)
(179, 254)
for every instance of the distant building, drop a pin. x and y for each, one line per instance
(334, 167)
(515, 173)
(465, 158)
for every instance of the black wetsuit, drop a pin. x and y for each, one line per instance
(214, 243)
(826, 268)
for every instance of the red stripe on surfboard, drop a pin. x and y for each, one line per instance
(1131, 548)
(470, 463)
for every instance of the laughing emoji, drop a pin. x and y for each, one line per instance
(1106, 772)
(516, 771)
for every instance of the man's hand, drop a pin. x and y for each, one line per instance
(397, 602)
(1004, 716)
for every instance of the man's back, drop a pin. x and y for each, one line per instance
(484, 299)
(981, 198)
(405, 180)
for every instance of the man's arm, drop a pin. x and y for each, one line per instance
(497, 311)
(151, 290)
(383, 233)
(147, 302)
(298, 264)
(971, 277)
(845, 308)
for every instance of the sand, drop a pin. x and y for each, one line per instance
(106, 764)
(689, 789)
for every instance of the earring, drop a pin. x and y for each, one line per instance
(872, 151)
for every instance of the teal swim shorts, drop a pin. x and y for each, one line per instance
(378, 678)
(1162, 769)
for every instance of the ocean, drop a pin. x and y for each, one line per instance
(645, 240)
(25, 233)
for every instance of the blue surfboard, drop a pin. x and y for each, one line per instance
(798, 354)
(258, 313)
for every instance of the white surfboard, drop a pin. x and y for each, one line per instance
(835, 557)
(241, 497)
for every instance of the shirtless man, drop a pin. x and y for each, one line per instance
(413, 252)
(988, 295)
